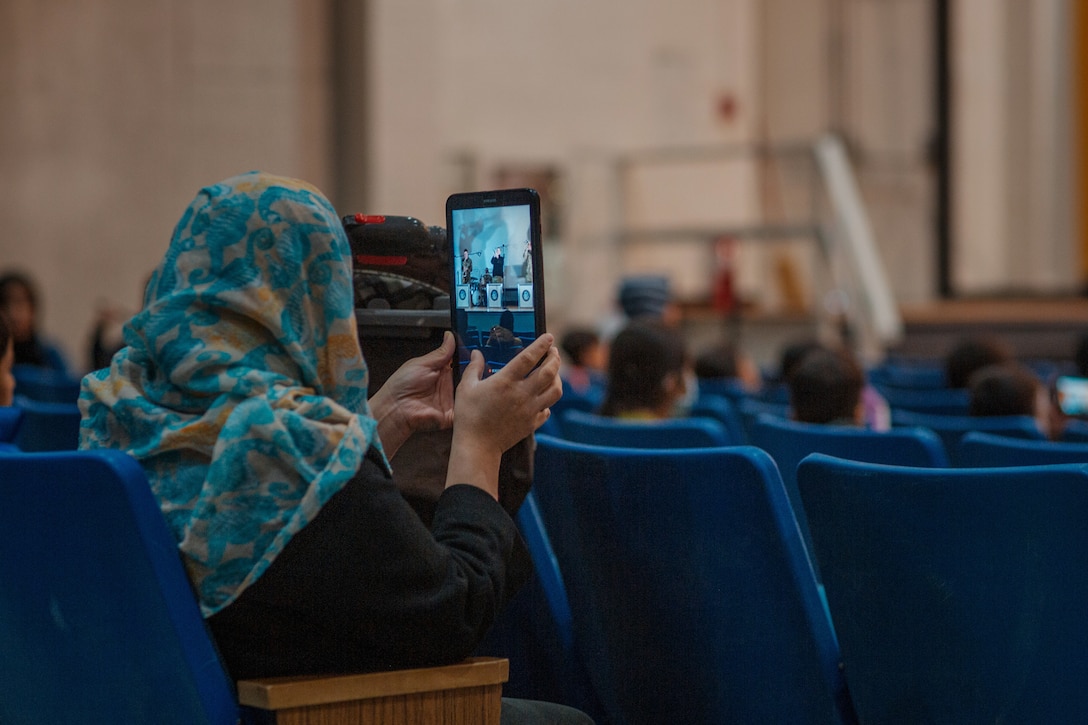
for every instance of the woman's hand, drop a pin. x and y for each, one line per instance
(495, 413)
(417, 397)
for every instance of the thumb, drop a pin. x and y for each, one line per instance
(475, 369)
(442, 354)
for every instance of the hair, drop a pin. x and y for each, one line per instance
(825, 386)
(972, 354)
(577, 343)
(717, 362)
(792, 355)
(17, 279)
(642, 356)
(506, 319)
(1003, 389)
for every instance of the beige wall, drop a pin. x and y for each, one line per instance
(114, 112)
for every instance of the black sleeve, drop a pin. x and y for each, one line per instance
(366, 586)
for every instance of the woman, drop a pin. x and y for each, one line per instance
(243, 392)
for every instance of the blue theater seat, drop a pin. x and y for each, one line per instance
(958, 595)
(98, 622)
(981, 450)
(691, 595)
(47, 426)
(951, 428)
(666, 433)
(789, 442)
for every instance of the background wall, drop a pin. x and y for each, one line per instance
(114, 112)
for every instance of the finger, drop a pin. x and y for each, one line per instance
(440, 355)
(475, 369)
(547, 373)
(526, 360)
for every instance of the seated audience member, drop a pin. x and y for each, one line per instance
(876, 414)
(7, 359)
(972, 354)
(825, 387)
(1010, 389)
(726, 362)
(586, 361)
(792, 355)
(243, 393)
(648, 373)
(19, 304)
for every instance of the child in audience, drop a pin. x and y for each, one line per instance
(825, 387)
(971, 354)
(1010, 389)
(726, 362)
(587, 358)
(649, 375)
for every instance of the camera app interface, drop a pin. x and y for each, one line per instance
(493, 296)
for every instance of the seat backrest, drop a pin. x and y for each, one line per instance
(958, 595)
(666, 433)
(928, 375)
(1075, 431)
(951, 428)
(11, 418)
(47, 426)
(751, 409)
(721, 409)
(731, 388)
(44, 385)
(98, 622)
(941, 401)
(986, 450)
(789, 442)
(692, 598)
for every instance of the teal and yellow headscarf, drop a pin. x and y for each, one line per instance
(242, 389)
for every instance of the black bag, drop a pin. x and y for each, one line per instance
(402, 301)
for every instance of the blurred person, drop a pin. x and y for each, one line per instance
(648, 296)
(972, 353)
(587, 360)
(466, 266)
(1010, 388)
(19, 303)
(243, 393)
(727, 362)
(649, 374)
(825, 387)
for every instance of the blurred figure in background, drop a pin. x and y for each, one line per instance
(727, 362)
(649, 374)
(648, 296)
(971, 354)
(587, 358)
(1011, 389)
(825, 387)
(19, 303)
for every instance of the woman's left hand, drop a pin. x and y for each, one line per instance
(417, 397)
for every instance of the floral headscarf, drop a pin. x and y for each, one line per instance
(242, 389)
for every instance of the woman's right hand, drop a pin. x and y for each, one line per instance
(492, 414)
